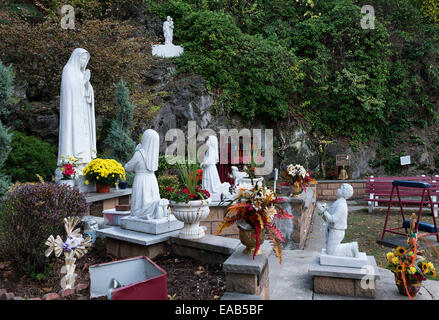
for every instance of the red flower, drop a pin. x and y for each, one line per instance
(186, 190)
(69, 170)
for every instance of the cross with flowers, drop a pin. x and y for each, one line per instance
(75, 245)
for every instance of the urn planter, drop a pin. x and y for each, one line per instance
(296, 190)
(191, 213)
(247, 236)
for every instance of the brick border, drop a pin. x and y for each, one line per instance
(327, 189)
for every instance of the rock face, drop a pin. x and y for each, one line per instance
(178, 99)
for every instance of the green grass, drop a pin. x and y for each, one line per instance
(366, 228)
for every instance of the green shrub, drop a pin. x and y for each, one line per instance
(30, 156)
(166, 180)
(6, 86)
(116, 52)
(31, 213)
(118, 139)
(257, 76)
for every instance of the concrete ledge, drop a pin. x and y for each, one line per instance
(211, 243)
(94, 196)
(316, 269)
(240, 262)
(209, 249)
(134, 237)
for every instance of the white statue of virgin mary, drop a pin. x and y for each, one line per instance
(77, 128)
(211, 181)
(145, 199)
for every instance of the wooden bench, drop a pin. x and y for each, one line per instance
(379, 189)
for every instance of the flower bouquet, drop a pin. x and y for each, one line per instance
(68, 168)
(105, 172)
(254, 209)
(297, 178)
(189, 186)
(189, 203)
(409, 265)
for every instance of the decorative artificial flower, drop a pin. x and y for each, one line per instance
(400, 251)
(395, 260)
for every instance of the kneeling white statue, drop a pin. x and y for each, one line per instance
(145, 200)
(211, 180)
(336, 218)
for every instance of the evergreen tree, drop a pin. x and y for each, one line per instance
(6, 84)
(118, 138)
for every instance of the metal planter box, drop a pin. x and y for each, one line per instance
(140, 278)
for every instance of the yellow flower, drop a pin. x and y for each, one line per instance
(400, 268)
(390, 256)
(395, 260)
(424, 267)
(400, 251)
(411, 270)
(86, 181)
(433, 273)
(430, 265)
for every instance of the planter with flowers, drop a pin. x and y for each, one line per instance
(254, 209)
(409, 265)
(68, 170)
(105, 172)
(189, 203)
(297, 178)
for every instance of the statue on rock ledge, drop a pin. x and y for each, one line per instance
(167, 50)
(145, 200)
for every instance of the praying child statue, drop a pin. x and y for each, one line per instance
(336, 219)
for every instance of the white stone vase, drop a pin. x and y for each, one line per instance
(191, 213)
(257, 180)
(69, 182)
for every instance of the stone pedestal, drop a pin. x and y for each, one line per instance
(329, 260)
(167, 50)
(345, 281)
(247, 276)
(156, 226)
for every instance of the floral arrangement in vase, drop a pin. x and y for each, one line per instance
(68, 167)
(105, 172)
(297, 178)
(189, 186)
(409, 265)
(254, 209)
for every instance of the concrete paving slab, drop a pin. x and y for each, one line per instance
(291, 280)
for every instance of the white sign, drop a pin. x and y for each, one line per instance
(405, 160)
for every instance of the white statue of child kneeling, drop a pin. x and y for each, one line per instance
(336, 218)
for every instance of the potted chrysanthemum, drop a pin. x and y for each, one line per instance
(189, 203)
(254, 209)
(105, 172)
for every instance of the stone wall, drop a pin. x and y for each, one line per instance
(302, 208)
(212, 222)
(327, 189)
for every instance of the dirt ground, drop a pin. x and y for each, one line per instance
(187, 279)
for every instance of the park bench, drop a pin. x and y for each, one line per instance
(380, 188)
